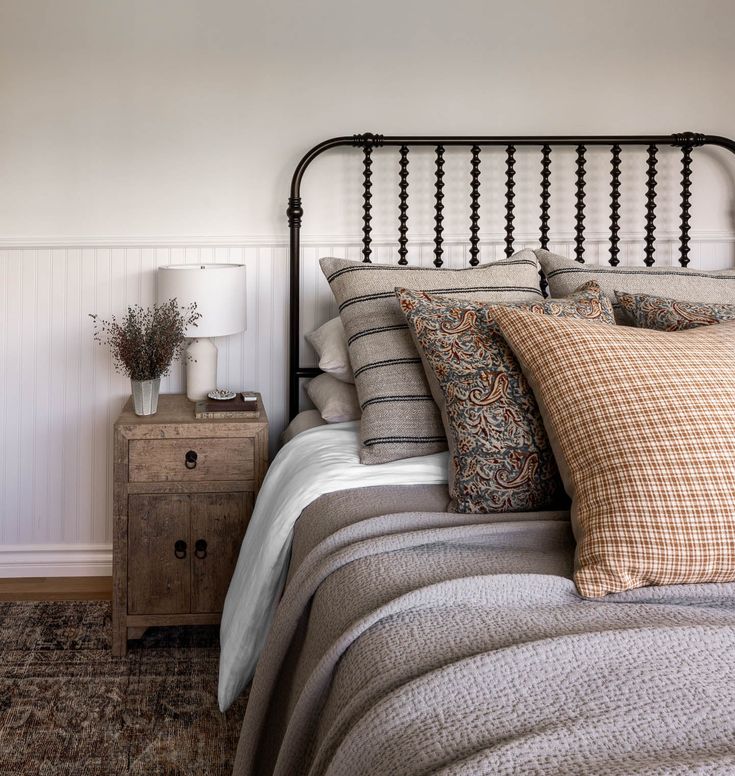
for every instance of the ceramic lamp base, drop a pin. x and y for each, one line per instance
(201, 369)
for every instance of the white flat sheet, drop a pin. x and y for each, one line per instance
(318, 461)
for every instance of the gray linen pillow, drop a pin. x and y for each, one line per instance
(399, 416)
(302, 422)
(690, 285)
(335, 400)
(330, 343)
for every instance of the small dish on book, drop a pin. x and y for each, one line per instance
(220, 394)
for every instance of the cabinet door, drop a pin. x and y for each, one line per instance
(218, 523)
(159, 575)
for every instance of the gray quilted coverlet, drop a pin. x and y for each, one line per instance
(434, 643)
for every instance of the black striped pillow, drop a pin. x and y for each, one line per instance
(399, 416)
(690, 285)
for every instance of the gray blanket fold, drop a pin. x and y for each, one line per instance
(424, 643)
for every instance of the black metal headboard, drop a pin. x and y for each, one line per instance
(686, 141)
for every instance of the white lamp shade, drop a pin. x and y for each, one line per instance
(217, 289)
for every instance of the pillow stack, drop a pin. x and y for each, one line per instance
(541, 396)
(500, 459)
(333, 393)
(399, 416)
(564, 275)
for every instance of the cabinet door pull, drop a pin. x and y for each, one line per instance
(190, 459)
(180, 549)
(200, 548)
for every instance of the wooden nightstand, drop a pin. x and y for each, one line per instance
(183, 494)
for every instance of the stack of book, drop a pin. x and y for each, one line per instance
(244, 405)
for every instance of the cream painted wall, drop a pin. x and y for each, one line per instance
(140, 132)
(186, 117)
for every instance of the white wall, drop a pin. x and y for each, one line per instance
(181, 117)
(134, 133)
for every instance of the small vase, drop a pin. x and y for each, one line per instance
(145, 396)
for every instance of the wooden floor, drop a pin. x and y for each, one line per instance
(56, 589)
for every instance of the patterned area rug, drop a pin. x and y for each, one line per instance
(68, 707)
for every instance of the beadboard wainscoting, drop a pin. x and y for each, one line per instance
(59, 394)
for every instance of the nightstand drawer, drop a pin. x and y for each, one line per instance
(179, 460)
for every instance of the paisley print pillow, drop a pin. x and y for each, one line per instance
(658, 312)
(500, 456)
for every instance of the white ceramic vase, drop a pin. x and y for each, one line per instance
(145, 396)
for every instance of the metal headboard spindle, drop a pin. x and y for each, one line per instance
(686, 141)
(510, 174)
(650, 205)
(475, 208)
(579, 210)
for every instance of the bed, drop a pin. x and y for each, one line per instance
(411, 639)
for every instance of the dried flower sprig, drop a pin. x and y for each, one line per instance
(146, 340)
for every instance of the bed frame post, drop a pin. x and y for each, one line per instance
(294, 213)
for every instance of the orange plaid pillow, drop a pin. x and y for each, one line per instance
(643, 423)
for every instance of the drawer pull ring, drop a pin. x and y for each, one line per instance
(200, 548)
(191, 460)
(180, 549)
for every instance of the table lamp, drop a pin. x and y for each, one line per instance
(219, 293)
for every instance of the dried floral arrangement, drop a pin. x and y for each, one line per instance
(146, 340)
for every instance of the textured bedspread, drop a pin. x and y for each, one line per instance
(439, 643)
(318, 461)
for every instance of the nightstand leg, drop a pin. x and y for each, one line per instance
(119, 636)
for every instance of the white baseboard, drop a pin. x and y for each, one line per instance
(56, 560)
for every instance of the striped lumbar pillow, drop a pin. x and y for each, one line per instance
(399, 416)
(643, 426)
(564, 275)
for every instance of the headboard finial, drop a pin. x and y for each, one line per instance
(294, 211)
(687, 139)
